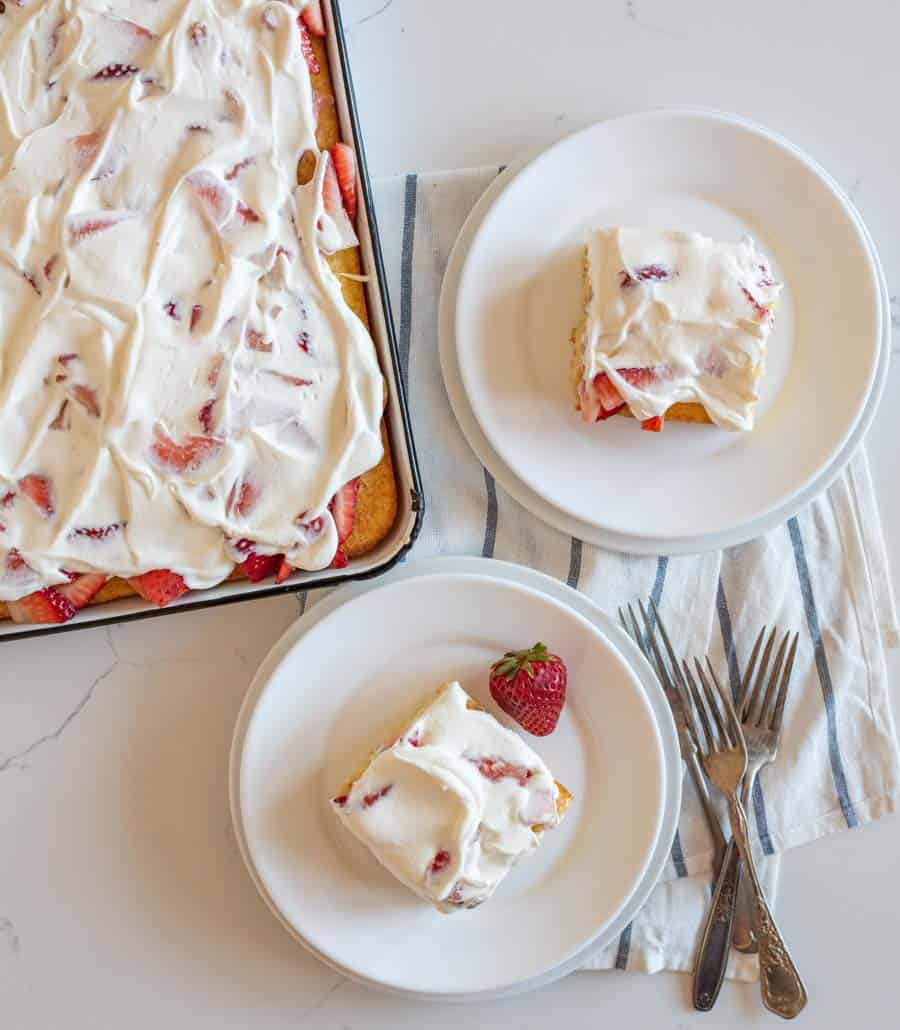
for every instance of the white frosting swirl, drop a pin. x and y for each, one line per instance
(694, 311)
(450, 806)
(178, 368)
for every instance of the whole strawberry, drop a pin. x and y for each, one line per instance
(531, 687)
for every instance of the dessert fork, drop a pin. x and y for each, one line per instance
(761, 708)
(723, 753)
(761, 711)
(670, 678)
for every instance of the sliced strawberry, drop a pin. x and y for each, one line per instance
(643, 274)
(205, 417)
(340, 559)
(215, 197)
(83, 226)
(284, 570)
(116, 71)
(7, 499)
(306, 48)
(333, 202)
(98, 532)
(343, 508)
(331, 192)
(238, 168)
(440, 862)
(187, 456)
(39, 491)
(85, 149)
(303, 341)
(215, 368)
(246, 214)
(242, 498)
(196, 315)
(257, 567)
(639, 378)
(653, 425)
(159, 587)
(495, 769)
(344, 161)
(50, 266)
(290, 380)
(82, 589)
(63, 420)
(256, 341)
(762, 312)
(313, 18)
(87, 398)
(197, 32)
(32, 282)
(43, 606)
(172, 310)
(609, 397)
(376, 795)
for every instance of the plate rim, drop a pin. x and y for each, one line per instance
(554, 591)
(637, 543)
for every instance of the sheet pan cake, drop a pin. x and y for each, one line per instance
(188, 391)
(675, 325)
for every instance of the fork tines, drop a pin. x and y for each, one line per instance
(669, 673)
(762, 702)
(714, 708)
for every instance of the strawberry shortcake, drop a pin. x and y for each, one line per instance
(453, 803)
(675, 326)
(188, 390)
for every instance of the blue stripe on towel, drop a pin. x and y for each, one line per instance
(624, 948)
(815, 632)
(406, 263)
(574, 563)
(734, 677)
(490, 520)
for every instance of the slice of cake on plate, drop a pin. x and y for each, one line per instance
(452, 804)
(675, 326)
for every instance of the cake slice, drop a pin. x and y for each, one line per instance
(452, 804)
(675, 326)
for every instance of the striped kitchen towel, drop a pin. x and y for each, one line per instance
(838, 763)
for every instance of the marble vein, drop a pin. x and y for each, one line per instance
(16, 760)
(373, 14)
(9, 936)
(633, 15)
(321, 1002)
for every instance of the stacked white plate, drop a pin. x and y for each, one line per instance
(512, 295)
(338, 685)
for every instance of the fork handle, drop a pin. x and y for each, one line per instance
(782, 989)
(715, 944)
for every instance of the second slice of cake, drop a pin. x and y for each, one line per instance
(675, 325)
(453, 802)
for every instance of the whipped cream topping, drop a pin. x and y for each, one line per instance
(452, 804)
(686, 317)
(178, 368)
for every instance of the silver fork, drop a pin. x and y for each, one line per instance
(761, 711)
(673, 687)
(761, 708)
(723, 753)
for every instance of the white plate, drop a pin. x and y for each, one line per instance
(692, 487)
(325, 698)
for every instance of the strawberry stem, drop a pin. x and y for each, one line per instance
(514, 662)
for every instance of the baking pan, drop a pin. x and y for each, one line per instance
(406, 470)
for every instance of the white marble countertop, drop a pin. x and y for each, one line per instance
(123, 900)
